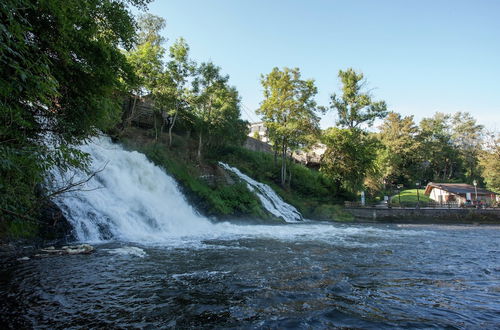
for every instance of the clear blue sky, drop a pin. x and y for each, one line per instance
(419, 56)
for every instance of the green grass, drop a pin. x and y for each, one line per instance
(309, 191)
(216, 198)
(410, 196)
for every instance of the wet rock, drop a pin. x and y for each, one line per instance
(78, 249)
(70, 249)
(53, 224)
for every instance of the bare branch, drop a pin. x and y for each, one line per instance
(76, 186)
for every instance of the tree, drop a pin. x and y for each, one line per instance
(146, 59)
(180, 68)
(399, 159)
(439, 155)
(61, 73)
(288, 111)
(215, 107)
(349, 156)
(490, 163)
(354, 107)
(467, 138)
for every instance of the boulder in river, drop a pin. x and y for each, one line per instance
(70, 249)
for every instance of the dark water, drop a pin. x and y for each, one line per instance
(377, 276)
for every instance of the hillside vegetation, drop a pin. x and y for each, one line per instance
(217, 193)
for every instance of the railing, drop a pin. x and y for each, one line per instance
(430, 204)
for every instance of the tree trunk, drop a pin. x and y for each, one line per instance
(170, 129)
(131, 115)
(283, 165)
(200, 142)
(156, 129)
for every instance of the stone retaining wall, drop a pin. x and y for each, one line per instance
(425, 215)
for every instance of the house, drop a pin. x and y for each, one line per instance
(458, 193)
(258, 131)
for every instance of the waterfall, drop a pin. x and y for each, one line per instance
(130, 199)
(268, 197)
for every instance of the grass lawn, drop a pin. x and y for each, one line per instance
(410, 196)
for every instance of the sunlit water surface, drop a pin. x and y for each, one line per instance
(293, 276)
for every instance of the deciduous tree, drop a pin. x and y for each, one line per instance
(349, 157)
(289, 111)
(399, 159)
(355, 107)
(467, 137)
(216, 107)
(61, 71)
(179, 69)
(490, 162)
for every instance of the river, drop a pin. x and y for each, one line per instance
(158, 263)
(309, 275)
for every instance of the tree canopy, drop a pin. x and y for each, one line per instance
(289, 111)
(355, 107)
(62, 71)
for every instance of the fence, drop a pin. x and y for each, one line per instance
(430, 204)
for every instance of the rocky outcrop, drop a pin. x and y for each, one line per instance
(53, 225)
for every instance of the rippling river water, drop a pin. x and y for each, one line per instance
(310, 275)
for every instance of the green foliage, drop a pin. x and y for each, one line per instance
(349, 157)
(289, 112)
(354, 107)
(467, 138)
(61, 73)
(332, 212)
(490, 162)
(440, 158)
(309, 190)
(18, 229)
(219, 199)
(216, 108)
(399, 159)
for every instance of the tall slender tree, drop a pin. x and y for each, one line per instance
(215, 106)
(180, 68)
(146, 59)
(490, 163)
(289, 111)
(351, 152)
(355, 107)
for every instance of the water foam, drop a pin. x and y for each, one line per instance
(133, 200)
(268, 197)
(129, 250)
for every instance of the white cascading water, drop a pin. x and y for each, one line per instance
(268, 197)
(130, 199)
(136, 201)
